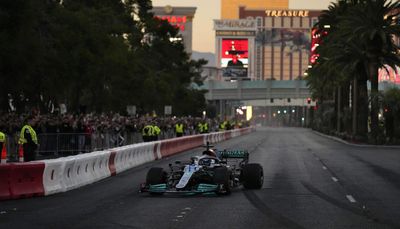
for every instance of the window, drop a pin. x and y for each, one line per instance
(259, 22)
(314, 21)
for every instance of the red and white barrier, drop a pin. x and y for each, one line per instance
(68, 173)
(5, 188)
(134, 155)
(20, 180)
(53, 176)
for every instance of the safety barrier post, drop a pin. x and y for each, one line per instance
(4, 154)
(5, 189)
(21, 153)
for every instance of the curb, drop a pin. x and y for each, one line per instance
(353, 144)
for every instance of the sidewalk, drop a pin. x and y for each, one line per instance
(355, 144)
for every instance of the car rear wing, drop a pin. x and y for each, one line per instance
(225, 154)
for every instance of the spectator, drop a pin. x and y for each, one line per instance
(179, 128)
(28, 140)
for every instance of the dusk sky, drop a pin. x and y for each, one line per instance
(207, 10)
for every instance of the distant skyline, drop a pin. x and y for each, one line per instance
(208, 10)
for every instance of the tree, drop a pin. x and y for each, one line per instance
(355, 48)
(373, 30)
(100, 55)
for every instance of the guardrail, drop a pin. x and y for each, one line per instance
(47, 177)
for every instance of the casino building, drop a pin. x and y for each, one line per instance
(230, 8)
(283, 42)
(181, 17)
(274, 41)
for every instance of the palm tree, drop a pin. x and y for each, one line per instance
(372, 30)
(328, 68)
(355, 47)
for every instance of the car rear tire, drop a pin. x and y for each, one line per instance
(222, 176)
(252, 176)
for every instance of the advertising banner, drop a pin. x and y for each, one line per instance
(290, 40)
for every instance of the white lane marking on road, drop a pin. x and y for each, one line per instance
(179, 216)
(351, 198)
(183, 213)
(335, 179)
(187, 209)
(324, 167)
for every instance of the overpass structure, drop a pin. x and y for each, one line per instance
(259, 92)
(292, 94)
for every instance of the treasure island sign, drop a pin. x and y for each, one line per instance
(287, 13)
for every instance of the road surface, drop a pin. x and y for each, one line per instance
(309, 182)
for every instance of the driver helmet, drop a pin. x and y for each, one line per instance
(210, 152)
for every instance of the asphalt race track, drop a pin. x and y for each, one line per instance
(309, 182)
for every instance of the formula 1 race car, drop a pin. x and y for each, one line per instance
(212, 172)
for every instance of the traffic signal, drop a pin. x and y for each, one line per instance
(288, 100)
(308, 100)
(271, 100)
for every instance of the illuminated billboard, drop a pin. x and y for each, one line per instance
(316, 40)
(235, 57)
(177, 21)
(389, 74)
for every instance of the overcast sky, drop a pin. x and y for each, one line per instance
(207, 10)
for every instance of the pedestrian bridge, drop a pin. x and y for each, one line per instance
(265, 92)
(259, 92)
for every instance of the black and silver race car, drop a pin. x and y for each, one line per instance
(212, 172)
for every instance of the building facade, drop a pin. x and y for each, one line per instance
(282, 43)
(182, 18)
(275, 43)
(230, 8)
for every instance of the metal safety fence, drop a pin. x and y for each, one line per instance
(54, 145)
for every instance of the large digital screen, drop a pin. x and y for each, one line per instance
(235, 57)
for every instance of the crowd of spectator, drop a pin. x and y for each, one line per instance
(77, 133)
(88, 123)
